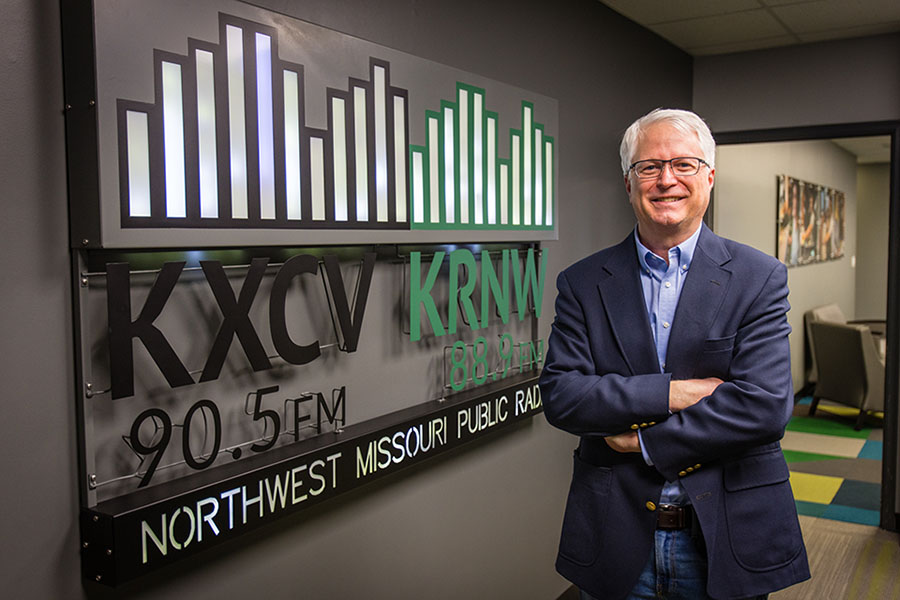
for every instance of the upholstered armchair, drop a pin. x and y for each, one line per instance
(850, 370)
(832, 313)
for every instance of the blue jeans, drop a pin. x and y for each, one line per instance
(676, 570)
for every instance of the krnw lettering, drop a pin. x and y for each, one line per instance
(235, 317)
(463, 261)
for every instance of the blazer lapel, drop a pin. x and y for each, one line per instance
(701, 297)
(623, 299)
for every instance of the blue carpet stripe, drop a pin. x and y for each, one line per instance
(872, 449)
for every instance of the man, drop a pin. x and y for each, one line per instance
(669, 357)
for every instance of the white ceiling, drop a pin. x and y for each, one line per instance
(868, 150)
(704, 27)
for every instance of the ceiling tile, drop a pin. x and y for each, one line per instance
(848, 32)
(754, 44)
(836, 14)
(721, 29)
(649, 12)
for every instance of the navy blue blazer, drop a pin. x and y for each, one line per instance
(602, 376)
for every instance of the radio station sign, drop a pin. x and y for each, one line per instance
(301, 262)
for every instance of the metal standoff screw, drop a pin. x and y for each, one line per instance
(91, 103)
(85, 242)
(68, 107)
(98, 578)
(96, 518)
(84, 544)
(84, 282)
(92, 481)
(109, 551)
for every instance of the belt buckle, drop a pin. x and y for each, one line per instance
(670, 516)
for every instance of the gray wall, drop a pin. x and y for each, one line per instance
(481, 522)
(845, 81)
(745, 194)
(873, 204)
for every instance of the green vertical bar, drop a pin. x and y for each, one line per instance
(492, 116)
(551, 181)
(442, 189)
(543, 202)
(513, 201)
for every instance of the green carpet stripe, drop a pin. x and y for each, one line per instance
(795, 456)
(827, 427)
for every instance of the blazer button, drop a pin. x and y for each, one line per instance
(643, 425)
(690, 469)
(650, 506)
(682, 473)
(652, 423)
(635, 426)
(697, 466)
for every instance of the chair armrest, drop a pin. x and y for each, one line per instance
(877, 326)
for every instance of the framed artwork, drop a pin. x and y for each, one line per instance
(810, 222)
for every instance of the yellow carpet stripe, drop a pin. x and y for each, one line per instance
(814, 488)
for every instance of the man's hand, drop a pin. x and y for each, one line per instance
(624, 442)
(688, 392)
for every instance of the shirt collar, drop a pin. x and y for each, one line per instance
(684, 251)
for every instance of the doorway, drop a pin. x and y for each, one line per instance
(753, 213)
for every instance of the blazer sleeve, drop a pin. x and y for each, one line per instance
(579, 399)
(752, 407)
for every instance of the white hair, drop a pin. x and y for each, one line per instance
(683, 120)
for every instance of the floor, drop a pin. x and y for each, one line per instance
(836, 478)
(848, 561)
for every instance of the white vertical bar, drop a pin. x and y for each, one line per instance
(478, 156)
(400, 158)
(433, 161)
(317, 177)
(418, 189)
(339, 149)
(526, 156)
(292, 142)
(492, 170)
(361, 153)
(449, 170)
(138, 164)
(265, 126)
(206, 139)
(173, 136)
(538, 178)
(504, 194)
(237, 132)
(516, 183)
(463, 156)
(381, 175)
(548, 181)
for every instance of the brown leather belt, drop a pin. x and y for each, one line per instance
(669, 516)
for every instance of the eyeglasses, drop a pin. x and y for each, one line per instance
(682, 166)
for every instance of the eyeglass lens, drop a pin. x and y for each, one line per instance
(683, 166)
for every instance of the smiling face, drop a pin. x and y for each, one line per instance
(668, 208)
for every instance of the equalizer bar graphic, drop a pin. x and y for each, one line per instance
(225, 144)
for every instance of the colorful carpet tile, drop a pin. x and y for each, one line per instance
(835, 470)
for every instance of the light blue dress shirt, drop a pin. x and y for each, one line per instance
(662, 286)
